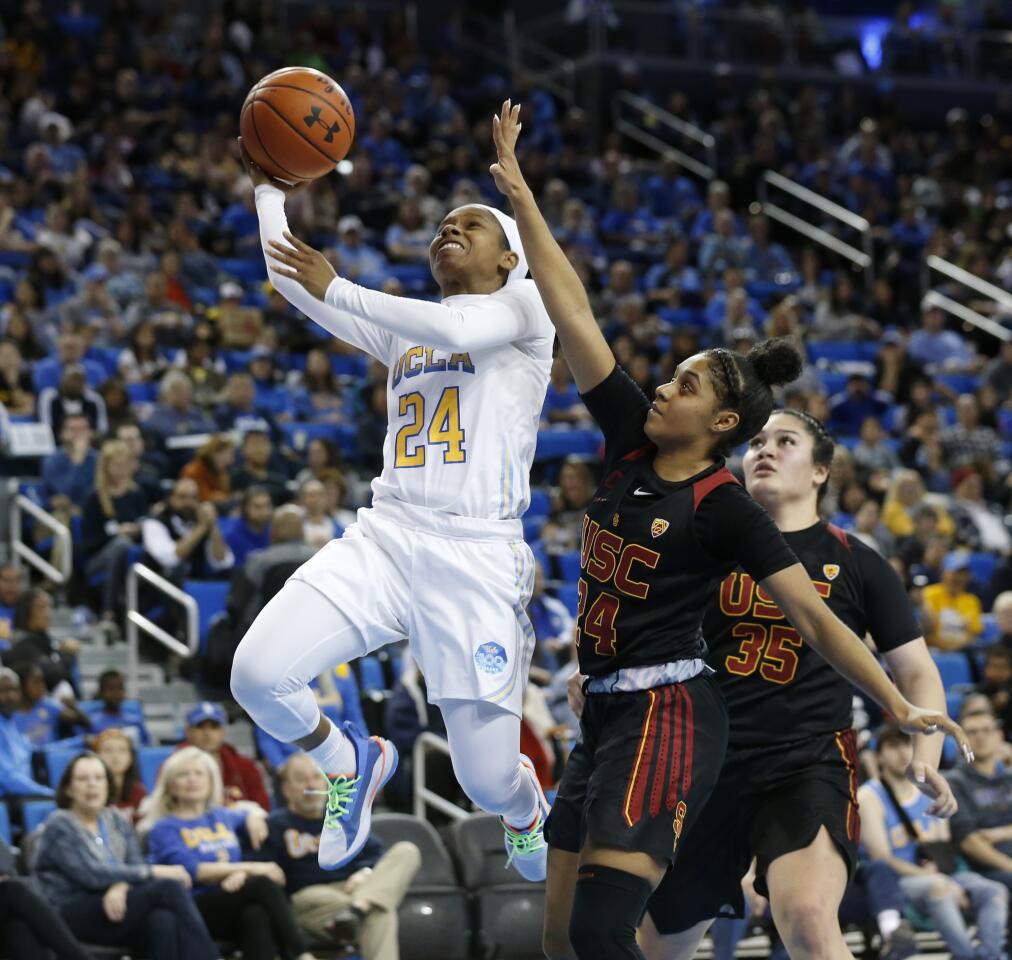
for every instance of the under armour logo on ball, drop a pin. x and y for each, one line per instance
(314, 118)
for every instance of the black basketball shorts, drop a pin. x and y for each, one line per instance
(768, 802)
(644, 770)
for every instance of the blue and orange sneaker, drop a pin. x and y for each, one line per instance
(526, 848)
(350, 796)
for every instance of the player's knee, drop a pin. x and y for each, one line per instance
(555, 940)
(939, 888)
(809, 928)
(485, 788)
(254, 677)
(607, 909)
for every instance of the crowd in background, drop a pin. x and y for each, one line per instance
(203, 426)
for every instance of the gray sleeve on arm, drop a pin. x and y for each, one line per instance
(62, 851)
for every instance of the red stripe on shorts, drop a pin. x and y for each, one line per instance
(689, 734)
(660, 766)
(676, 749)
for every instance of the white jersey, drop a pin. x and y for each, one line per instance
(466, 384)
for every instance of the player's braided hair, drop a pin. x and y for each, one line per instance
(823, 444)
(744, 384)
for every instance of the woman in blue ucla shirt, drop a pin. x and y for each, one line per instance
(89, 863)
(241, 901)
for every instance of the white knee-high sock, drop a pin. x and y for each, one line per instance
(336, 754)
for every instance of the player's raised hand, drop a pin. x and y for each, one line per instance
(934, 786)
(258, 176)
(914, 720)
(505, 171)
(299, 261)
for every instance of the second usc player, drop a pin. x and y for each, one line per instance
(786, 795)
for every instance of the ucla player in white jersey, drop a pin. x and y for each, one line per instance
(439, 557)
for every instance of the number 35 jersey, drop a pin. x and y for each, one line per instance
(777, 688)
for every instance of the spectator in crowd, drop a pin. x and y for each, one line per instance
(569, 503)
(29, 927)
(335, 483)
(1002, 611)
(251, 529)
(910, 548)
(94, 309)
(318, 526)
(997, 374)
(983, 824)
(241, 780)
(956, 612)
(886, 806)
(840, 314)
(562, 401)
(176, 415)
(34, 644)
(17, 392)
(338, 696)
(936, 348)
(16, 778)
(89, 863)
(115, 710)
(240, 412)
(211, 469)
(316, 391)
(321, 454)
(903, 504)
(979, 523)
(116, 750)
(256, 469)
(10, 590)
(111, 523)
(68, 475)
(198, 361)
(169, 319)
(43, 720)
(369, 888)
(240, 900)
(553, 630)
(150, 466)
(184, 539)
(967, 442)
(996, 682)
(859, 401)
(874, 453)
(70, 352)
(359, 261)
(265, 571)
(142, 361)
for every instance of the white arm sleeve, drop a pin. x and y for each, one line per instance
(506, 317)
(376, 342)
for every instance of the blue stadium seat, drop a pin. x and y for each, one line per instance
(953, 701)
(569, 595)
(832, 383)
(960, 382)
(982, 567)
(5, 824)
(569, 566)
(832, 351)
(149, 760)
(253, 270)
(682, 317)
(991, 632)
(33, 812)
(1005, 422)
(210, 596)
(953, 667)
(556, 444)
(347, 365)
(371, 673)
(142, 392)
(533, 522)
(235, 360)
(541, 502)
(57, 760)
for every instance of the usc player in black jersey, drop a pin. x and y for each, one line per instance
(665, 527)
(786, 795)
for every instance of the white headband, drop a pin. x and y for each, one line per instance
(509, 227)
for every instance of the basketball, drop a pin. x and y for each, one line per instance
(297, 124)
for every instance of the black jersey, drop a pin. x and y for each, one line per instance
(757, 653)
(653, 552)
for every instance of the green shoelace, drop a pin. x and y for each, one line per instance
(340, 794)
(526, 843)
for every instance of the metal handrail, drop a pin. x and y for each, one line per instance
(136, 621)
(426, 743)
(859, 257)
(61, 532)
(935, 299)
(971, 280)
(655, 114)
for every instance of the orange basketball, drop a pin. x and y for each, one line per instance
(297, 124)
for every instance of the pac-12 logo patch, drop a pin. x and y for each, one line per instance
(658, 527)
(831, 570)
(491, 658)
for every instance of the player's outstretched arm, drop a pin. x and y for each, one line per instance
(589, 356)
(825, 633)
(270, 204)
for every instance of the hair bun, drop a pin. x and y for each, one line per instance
(775, 362)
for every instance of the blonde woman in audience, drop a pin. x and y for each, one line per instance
(191, 828)
(89, 864)
(906, 494)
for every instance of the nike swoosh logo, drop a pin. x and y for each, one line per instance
(640, 492)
